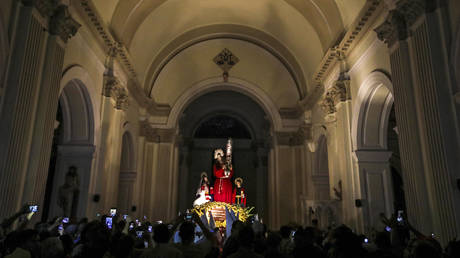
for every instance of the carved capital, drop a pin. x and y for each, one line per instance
(339, 92)
(328, 104)
(392, 29)
(411, 10)
(404, 15)
(121, 99)
(62, 24)
(110, 85)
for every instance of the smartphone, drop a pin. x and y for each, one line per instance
(188, 216)
(159, 222)
(366, 240)
(146, 244)
(61, 229)
(150, 229)
(400, 218)
(33, 208)
(108, 222)
(125, 216)
(139, 234)
(65, 220)
(113, 212)
(131, 225)
(388, 229)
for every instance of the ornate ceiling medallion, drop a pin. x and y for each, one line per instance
(226, 60)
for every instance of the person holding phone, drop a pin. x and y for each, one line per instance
(161, 236)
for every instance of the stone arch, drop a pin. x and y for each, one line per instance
(196, 152)
(239, 119)
(77, 114)
(372, 110)
(234, 84)
(232, 31)
(128, 173)
(75, 145)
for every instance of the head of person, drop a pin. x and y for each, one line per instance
(187, 232)
(52, 247)
(236, 227)
(285, 231)
(426, 249)
(246, 236)
(161, 234)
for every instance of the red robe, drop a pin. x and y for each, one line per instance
(222, 185)
(241, 200)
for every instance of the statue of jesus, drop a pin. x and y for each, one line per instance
(223, 173)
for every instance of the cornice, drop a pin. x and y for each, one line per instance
(365, 19)
(108, 41)
(360, 26)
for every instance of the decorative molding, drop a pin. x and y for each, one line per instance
(107, 42)
(404, 15)
(392, 29)
(339, 92)
(62, 24)
(365, 19)
(112, 87)
(121, 99)
(226, 60)
(157, 135)
(59, 21)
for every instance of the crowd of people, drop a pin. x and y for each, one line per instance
(120, 236)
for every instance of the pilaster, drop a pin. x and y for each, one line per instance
(424, 106)
(39, 33)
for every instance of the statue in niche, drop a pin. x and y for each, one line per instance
(338, 192)
(69, 192)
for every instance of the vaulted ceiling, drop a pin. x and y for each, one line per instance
(279, 43)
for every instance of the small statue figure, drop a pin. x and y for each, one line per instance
(69, 192)
(223, 172)
(239, 194)
(203, 192)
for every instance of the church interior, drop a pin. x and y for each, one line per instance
(340, 112)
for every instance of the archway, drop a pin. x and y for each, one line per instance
(127, 175)
(372, 155)
(73, 145)
(205, 125)
(320, 207)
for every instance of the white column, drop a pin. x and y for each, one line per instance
(417, 35)
(375, 187)
(30, 102)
